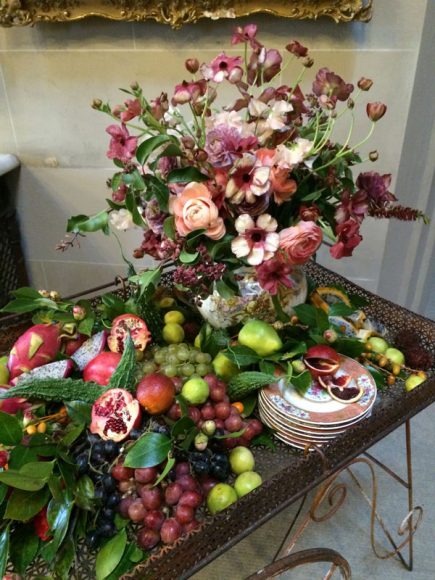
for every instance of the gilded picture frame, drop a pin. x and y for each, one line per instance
(177, 12)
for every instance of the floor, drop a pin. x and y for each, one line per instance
(347, 531)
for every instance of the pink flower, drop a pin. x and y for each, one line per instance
(300, 242)
(246, 34)
(133, 109)
(283, 186)
(194, 209)
(354, 206)
(272, 273)
(223, 67)
(258, 241)
(189, 92)
(348, 239)
(159, 106)
(263, 66)
(249, 178)
(332, 86)
(122, 145)
(224, 145)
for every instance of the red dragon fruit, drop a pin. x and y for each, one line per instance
(36, 347)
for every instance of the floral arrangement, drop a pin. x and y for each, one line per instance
(259, 182)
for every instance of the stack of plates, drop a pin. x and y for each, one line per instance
(315, 417)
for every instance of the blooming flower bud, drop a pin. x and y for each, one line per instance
(134, 86)
(373, 155)
(376, 111)
(307, 61)
(79, 313)
(297, 48)
(96, 103)
(44, 293)
(350, 103)
(364, 84)
(330, 335)
(192, 65)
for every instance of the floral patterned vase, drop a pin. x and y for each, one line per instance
(253, 301)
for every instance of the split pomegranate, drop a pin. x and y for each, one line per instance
(122, 326)
(321, 360)
(115, 414)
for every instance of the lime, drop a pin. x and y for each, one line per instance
(174, 316)
(195, 391)
(246, 482)
(224, 367)
(241, 460)
(173, 333)
(220, 497)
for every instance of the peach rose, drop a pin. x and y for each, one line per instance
(299, 242)
(194, 209)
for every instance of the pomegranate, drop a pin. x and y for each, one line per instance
(101, 368)
(115, 414)
(122, 326)
(321, 360)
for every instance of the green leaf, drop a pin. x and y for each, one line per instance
(340, 309)
(350, 347)
(214, 341)
(21, 481)
(147, 147)
(298, 348)
(134, 180)
(187, 258)
(24, 547)
(41, 469)
(148, 278)
(124, 376)
(224, 290)
(79, 412)
(148, 451)
(307, 314)
(169, 465)
(158, 190)
(24, 505)
(322, 320)
(186, 175)
(4, 550)
(84, 493)
(182, 426)
(183, 405)
(3, 492)
(131, 205)
(242, 356)
(20, 455)
(65, 559)
(231, 435)
(110, 555)
(169, 227)
(264, 439)
(72, 433)
(267, 367)
(58, 516)
(302, 382)
(84, 223)
(11, 431)
(27, 299)
(249, 404)
(131, 556)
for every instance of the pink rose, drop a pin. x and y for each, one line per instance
(300, 241)
(194, 209)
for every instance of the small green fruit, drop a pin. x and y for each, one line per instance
(220, 497)
(261, 337)
(395, 356)
(246, 482)
(195, 391)
(173, 333)
(241, 460)
(4, 371)
(174, 317)
(224, 367)
(379, 345)
(414, 380)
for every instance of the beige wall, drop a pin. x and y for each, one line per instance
(50, 73)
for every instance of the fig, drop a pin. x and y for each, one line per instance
(128, 324)
(261, 337)
(115, 414)
(321, 359)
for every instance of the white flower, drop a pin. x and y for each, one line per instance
(121, 219)
(258, 241)
(289, 156)
(256, 108)
(277, 114)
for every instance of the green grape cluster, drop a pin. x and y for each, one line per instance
(178, 360)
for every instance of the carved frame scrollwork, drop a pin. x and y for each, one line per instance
(177, 12)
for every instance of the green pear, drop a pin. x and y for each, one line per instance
(261, 337)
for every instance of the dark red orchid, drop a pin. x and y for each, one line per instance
(348, 239)
(330, 85)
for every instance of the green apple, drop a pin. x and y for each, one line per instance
(4, 371)
(195, 391)
(260, 337)
(241, 460)
(395, 356)
(379, 345)
(414, 380)
(224, 367)
(220, 497)
(246, 482)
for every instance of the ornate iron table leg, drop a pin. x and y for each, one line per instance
(335, 494)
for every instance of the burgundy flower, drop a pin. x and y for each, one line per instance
(309, 213)
(376, 111)
(159, 106)
(246, 34)
(41, 525)
(118, 196)
(348, 239)
(376, 187)
(192, 65)
(272, 273)
(122, 145)
(224, 145)
(159, 247)
(263, 66)
(365, 84)
(133, 109)
(352, 206)
(154, 216)
(297, 48)
(331, 86)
